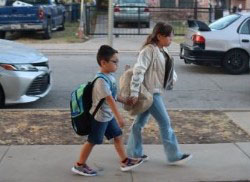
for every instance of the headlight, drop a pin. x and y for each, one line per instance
(19, 67)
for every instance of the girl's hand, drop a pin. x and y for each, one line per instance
(132, 100)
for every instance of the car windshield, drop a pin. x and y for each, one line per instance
(224, 22)
(131, 1)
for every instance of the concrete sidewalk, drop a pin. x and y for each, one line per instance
(131, 44)
(52, 163)
(213, 162)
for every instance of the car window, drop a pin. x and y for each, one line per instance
(132, 1)
(245, 28)
(224, 22)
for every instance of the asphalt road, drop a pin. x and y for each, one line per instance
(197, 87)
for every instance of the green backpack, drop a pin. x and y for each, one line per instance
(80, 105)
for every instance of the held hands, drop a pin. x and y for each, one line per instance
(128, 100)
(132, 101)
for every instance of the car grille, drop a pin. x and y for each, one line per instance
(44, 64)
(39, 85)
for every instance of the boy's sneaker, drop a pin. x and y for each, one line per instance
(184, 159)
(145, 158)
(130, 163)
(84, 170)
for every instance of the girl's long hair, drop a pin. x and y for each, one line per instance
(160, 28)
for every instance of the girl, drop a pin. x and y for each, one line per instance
(155, 69)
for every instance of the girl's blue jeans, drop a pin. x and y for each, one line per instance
(169, 140)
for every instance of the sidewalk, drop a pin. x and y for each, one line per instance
(52, 163)
(131, 44)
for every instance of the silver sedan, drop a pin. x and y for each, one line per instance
(25, 75)
(131, 11)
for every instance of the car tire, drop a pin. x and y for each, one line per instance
(48, 31)
(2, 98)
(236, 62)
(2, 35)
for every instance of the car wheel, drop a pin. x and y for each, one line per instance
(2, 35)
(48, 31)
(236, 62)
(2, 98)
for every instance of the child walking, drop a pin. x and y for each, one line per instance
(107, 121)
(155, 69)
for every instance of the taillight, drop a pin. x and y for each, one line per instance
(41, 13)
(146, 9)
(198, 39)
(116, 9)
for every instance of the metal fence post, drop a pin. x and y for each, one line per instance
(195, 9)
(210, 13)
(139, 23)
(110, 23)
(87, 15)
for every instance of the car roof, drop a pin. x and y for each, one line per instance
(244, 13)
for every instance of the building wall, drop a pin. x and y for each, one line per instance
(242, 2)
(247, 4)
(153, 3)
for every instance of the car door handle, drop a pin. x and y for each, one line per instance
(245, 40)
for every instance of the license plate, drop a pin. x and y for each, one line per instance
(15, 26)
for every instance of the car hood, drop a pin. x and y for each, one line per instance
(12, 52)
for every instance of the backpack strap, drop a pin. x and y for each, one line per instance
(106, 78)
(98, 106)
(101, 75)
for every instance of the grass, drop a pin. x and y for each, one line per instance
(69, 35)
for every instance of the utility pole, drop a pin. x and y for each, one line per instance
(82, 20)
(110, 23)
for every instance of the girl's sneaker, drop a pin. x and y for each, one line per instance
(145, 158)
(184, 159)
(83, 170)
(130, 163)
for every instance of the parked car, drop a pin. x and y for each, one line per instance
(25, 75)
(225, 42)
(131, 11)
(32, 15)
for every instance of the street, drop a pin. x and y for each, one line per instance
(197, 87)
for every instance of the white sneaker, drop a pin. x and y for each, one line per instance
(184, 159)
(130, 163)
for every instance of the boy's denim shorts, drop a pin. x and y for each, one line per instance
(98, 129)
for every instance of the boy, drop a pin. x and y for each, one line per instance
(104, 122)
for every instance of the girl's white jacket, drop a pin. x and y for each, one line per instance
(150, 70)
